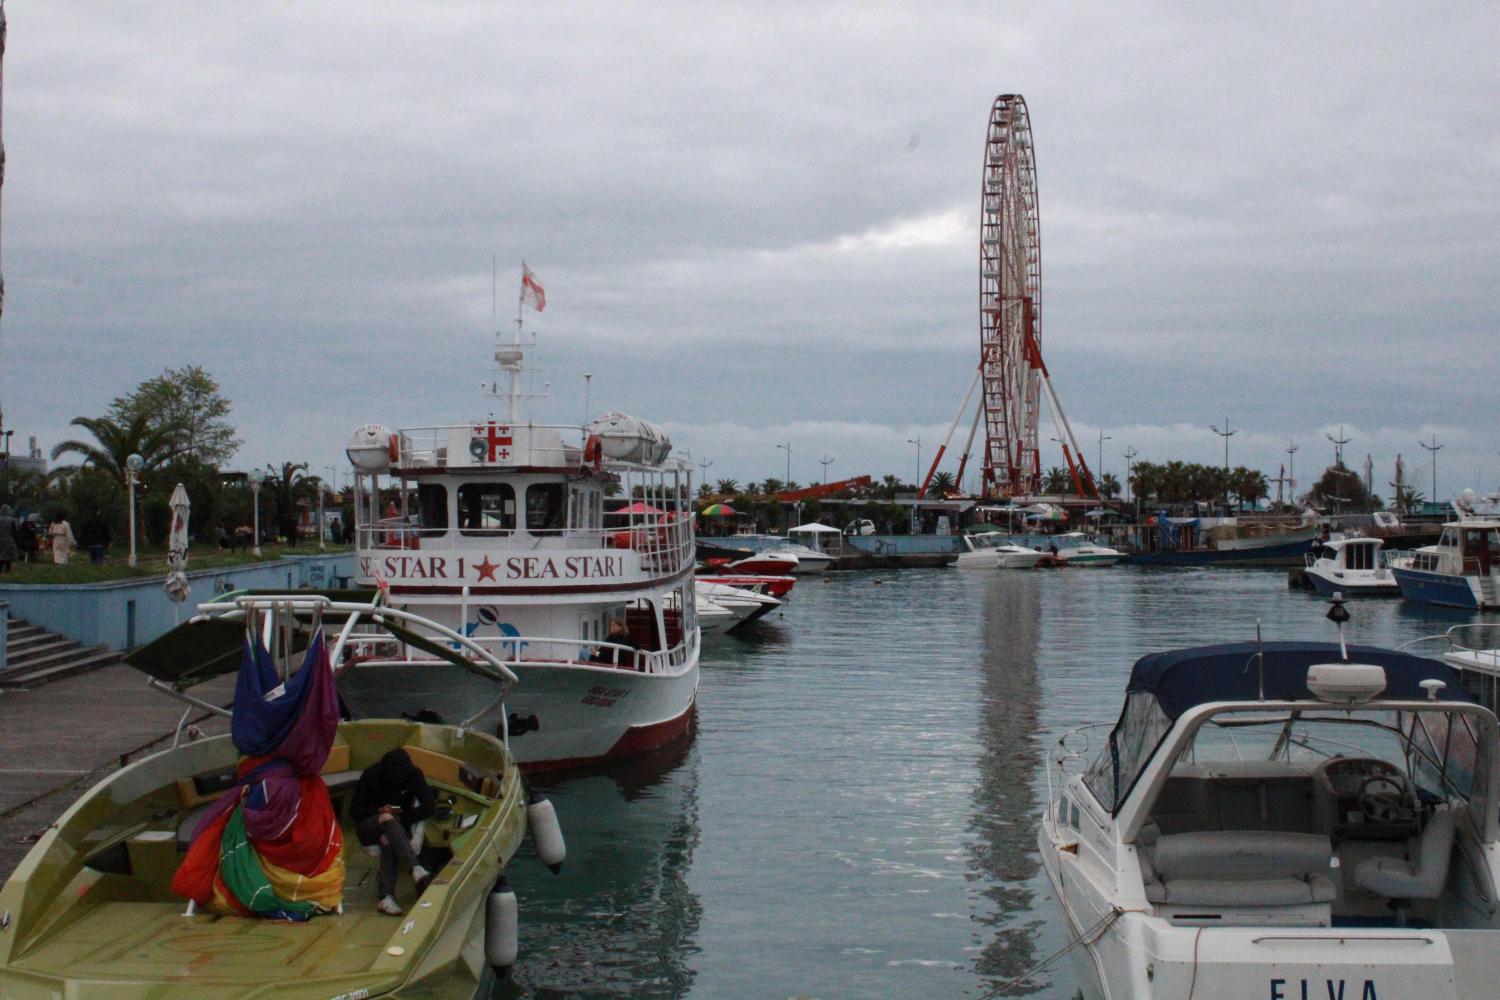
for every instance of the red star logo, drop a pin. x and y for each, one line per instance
(487, 569)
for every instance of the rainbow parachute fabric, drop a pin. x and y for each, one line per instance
(271, 845)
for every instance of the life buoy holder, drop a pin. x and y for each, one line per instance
(593, 452)
(393, 449)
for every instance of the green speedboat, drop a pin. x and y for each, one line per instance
(90, 911)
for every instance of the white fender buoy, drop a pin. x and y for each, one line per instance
(546, 833)
(502, 921)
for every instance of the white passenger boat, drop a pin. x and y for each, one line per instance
(990, 550)
(1463, 569)
(497, 529)
(1281, 820)
(1074, 548)
(1350, 566)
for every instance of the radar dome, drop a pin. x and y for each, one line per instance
(1467, 498)
(369, 448)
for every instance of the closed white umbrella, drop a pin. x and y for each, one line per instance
(177, 546)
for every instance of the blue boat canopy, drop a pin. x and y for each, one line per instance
(1183, 678)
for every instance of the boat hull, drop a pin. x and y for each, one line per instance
(1328, 586)
(1288, 553)
(585, 713)
(1423, 587)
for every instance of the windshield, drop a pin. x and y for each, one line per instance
(1437, 749)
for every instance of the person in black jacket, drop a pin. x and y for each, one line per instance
(391, 797)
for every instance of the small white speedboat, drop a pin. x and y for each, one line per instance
(746, 605)
(764, 564)
(1350, 566)
(1074, 548)
(989, 550)
(810, 562)
(1284, 819)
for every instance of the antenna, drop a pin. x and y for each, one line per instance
(1338, 446)
(1433, 449)
(825, 462)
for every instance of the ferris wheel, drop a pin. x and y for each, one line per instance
(1012, 377)
(1010, 301)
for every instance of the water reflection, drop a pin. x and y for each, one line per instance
(1003, 854)
(621, 919)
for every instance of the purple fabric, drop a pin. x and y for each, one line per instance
(298, 723)
(272, 791)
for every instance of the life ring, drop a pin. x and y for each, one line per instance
(593, 452)
(393, 449)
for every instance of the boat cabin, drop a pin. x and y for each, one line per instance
(1272, 784)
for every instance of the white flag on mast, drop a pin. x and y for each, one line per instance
(532, 293)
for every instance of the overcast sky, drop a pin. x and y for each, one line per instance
(759, 223)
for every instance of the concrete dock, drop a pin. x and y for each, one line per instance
(58, 739)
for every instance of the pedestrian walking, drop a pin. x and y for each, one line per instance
(63, 542)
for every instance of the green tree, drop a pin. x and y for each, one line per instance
(727, 487)
(941, 485)
(1109, 486)
(1056, 480)
(286, 486)
(114, 442)
(1340, 489)
(184, 406)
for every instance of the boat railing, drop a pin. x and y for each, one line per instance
(517, 650)
(1075, 748)
(1467, 638)
(428, 447)
(664, 542)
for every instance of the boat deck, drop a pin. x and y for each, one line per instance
(122, 940)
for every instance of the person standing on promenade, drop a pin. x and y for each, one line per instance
(63, 542)
(9, 531)
(95, 536)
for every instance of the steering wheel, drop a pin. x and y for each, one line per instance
(1382, 798)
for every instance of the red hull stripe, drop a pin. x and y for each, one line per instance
(636, 740)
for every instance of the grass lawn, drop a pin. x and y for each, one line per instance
(151, 562)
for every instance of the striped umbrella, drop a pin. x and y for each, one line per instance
(717, 510)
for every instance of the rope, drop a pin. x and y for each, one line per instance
(1089, 935)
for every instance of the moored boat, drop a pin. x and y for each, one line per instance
(1463, 569)
(991, 550)
(1281, 819)
(499, 530)
(93, 910)
(1350, 566)
(1074, 548)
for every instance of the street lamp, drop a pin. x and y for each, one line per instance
(1433, 449)
(1226, 434)
(1129, 457)
(788, 449)
(256, 477)
(918, 442)
(825, 462)
(1099, 472)
(133, 466)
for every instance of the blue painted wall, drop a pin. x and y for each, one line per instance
(126, 613)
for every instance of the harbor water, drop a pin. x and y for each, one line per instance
(855, 814)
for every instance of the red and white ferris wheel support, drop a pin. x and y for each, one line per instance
(1013, 378)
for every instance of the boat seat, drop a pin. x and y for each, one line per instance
(1237, 868)
(1424, 876)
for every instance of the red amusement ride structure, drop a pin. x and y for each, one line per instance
(1011, 374)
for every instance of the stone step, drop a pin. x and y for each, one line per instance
(91, 658)
(19, 629)
(16, 645)
(54, 652)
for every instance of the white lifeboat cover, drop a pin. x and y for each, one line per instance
(369, 448)
(624, 438)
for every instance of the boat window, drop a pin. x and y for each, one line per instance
(1131, 743)
(1449, 539)
(1358, 556)
(486, 508)
(546, 508)
(432, 508)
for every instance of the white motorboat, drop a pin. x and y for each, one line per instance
(746, 605)
(1472, 649)
(768, 563)
(1350, 566)
(499, 531)
(1281, 820)
(713, 617)
(990, 550)
(810, 562)
(1074, 548)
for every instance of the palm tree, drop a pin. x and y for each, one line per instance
(286, 486)
(1109, 486)
(942, 483)
(116, 442)
(771, 487)
(705, 491)
(728, 487)
(1056, 481)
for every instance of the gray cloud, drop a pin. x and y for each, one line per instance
(755, 216)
